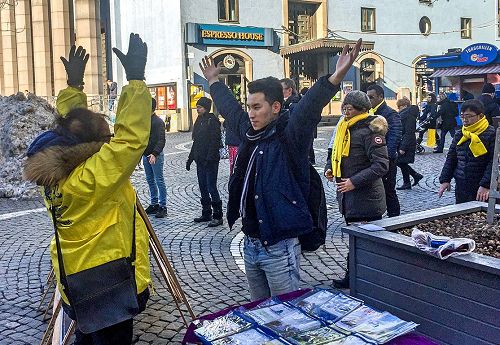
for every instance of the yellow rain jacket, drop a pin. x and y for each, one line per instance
(95, 203)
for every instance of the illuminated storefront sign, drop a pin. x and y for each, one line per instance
(228, 35)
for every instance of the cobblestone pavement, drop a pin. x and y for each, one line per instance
(207, 260)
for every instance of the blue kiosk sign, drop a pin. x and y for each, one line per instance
(479, 54)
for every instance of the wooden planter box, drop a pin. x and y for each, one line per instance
(455, 301)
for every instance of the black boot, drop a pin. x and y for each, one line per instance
(217, 206)
(206, 213)
(416, 178)
(343, 283)
(404, 186)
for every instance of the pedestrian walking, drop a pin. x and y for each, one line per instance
(153, 161)
(205, 152)
(409, 114)
(377, 98)
(100, 251)
(429, 117)
(447, 112)
(112, 93)
(491, 108)
(358, 163)
(470, 157)
(269, 188)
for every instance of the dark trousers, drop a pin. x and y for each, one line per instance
(207, 180)
(119, 334)
(391, 198)
(406, 171)
(443, 137)
(312, 156)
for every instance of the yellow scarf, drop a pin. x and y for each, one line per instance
(374, 110)
(472, 133)
(342, 142)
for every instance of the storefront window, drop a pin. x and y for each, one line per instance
(228, 10)
(466, 27)
(367, 19)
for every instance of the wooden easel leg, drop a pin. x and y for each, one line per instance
(47, 336)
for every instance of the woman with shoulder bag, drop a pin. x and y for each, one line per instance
(100, 248)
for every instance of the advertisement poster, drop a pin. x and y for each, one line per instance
(171, 97)
(161, 103)
(195, 93)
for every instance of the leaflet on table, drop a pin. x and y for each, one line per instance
(323, 335)
(383, 328)
(252, 336)
(221, 327)
(357, 317)
(283, 319)
(336, 308)
(312, 299)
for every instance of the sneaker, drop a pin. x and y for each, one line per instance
(404, 186)
(152, 209)
(417, 178)
(162, 212)
(215, 222)
(341, 283)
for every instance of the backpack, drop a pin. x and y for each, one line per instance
(316, 202)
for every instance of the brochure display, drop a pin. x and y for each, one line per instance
(317, 317)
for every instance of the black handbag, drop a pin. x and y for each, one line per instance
(101, 296)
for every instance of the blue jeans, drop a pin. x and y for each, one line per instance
(111, 104)
(272, 270)
(207, 180)
(155, 179)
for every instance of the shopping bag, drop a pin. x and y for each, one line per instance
(431, 137)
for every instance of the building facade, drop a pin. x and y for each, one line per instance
(35, 33)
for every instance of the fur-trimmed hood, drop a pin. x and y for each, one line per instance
(378, 124)
(50, 165)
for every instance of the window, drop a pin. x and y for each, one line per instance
(228, 10)
(367, 19)
(498, 18)
(425, 26)
(466, 27)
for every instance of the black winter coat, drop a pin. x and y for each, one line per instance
(464, 167)
(430, 112)
(448, 111)
(491, 108)
(366, 164)
(156, 141)
(409, 117)
(282, 162)
(206, 139)
(394, 133)
(231, 138)
(295, 98)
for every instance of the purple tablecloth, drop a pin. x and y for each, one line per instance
(191, 338)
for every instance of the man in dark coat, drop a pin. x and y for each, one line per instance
(376, 95)
(290, 94)
(153, 160)
(409, 114)
(487, 97)
(205, 152)
(447, 111)
(270, 184)
(470, 157)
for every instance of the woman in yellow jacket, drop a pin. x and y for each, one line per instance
(85, 174)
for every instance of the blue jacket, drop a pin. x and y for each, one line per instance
(282, 163)
(395, 132)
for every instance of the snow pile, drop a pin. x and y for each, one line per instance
(21, 120)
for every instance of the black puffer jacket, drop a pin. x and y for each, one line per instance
(448, 111)
(366, 164)
(491, 108)
(206, 139)
(430, 112)
(156, 141)
(464, 167)
(408, 141)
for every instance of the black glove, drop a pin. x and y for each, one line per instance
(135, 60)
(188, 164)
(75, 67)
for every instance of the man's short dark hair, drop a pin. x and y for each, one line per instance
(270, 87)
(153, 104)
(473, 105)
(290, 84)
(379, 90)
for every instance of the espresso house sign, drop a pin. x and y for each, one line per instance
(228, 35)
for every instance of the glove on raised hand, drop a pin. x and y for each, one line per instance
(75, 65)
(135, 60)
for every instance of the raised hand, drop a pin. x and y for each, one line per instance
(210, 70)
(135, 60)
(345, 61)
(75, 65)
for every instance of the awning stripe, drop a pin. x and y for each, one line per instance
(467, 70)
(322, 43)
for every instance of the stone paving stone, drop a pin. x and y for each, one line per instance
(205, 265)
